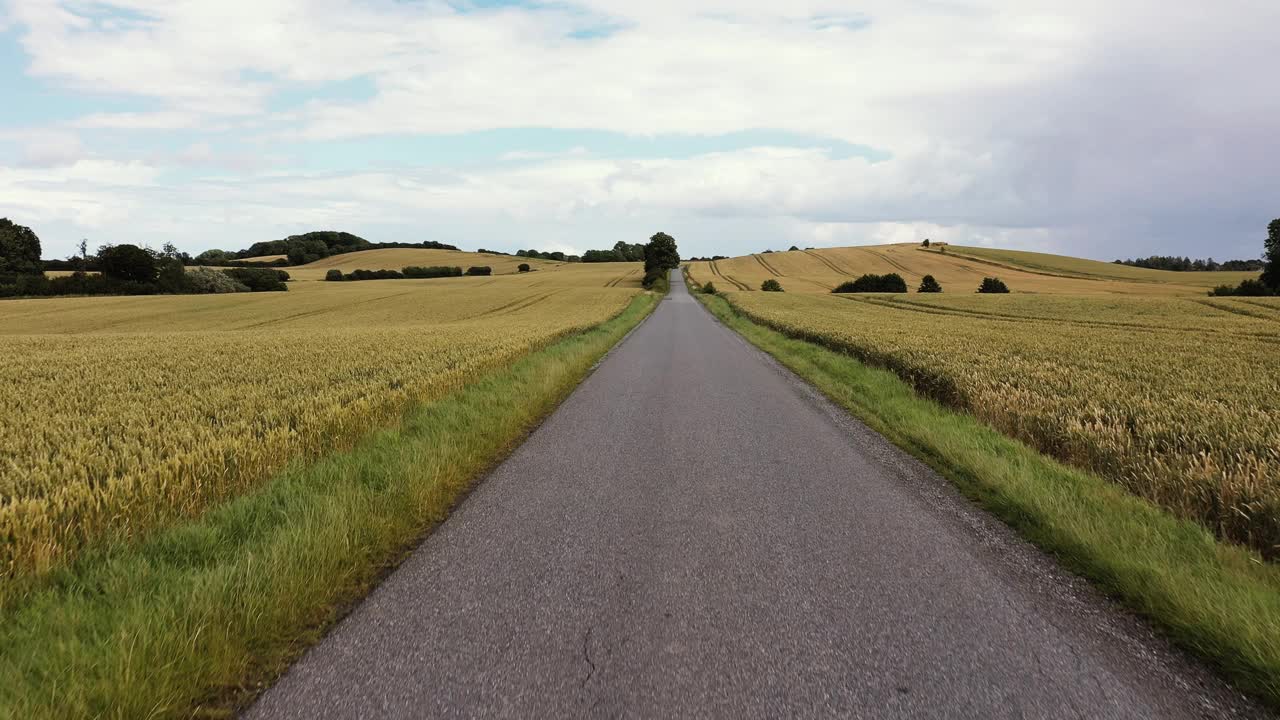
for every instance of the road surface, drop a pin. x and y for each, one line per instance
(696, 533)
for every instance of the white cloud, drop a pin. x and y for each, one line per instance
(1088, 125)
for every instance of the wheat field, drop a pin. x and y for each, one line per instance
(1176, 399)
(959, 269)
(121, 414)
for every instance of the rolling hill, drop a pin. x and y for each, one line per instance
(958, 269)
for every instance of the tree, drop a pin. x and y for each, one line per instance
(214, 257)
(127, 262)
(993, 285)
(929, 285)
(19, 250)
(523, 267)
(333, 275)
(1271, 273)
(661, 253)
(925, 243)
(771, 285)
(172, 276)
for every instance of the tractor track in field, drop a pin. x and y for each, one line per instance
(716, 270)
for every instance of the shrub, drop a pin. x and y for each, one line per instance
(207, 280)
(127, 262)
(709, 288)
(257, 279)
(993, 285)
(434, 271)
(928, 284)
(480, 270)
(334, 275)
(891, 283)
(523, 267)
(925, 243)
(771, 285)
(1246, 288)
(656, 277)
(374, 275)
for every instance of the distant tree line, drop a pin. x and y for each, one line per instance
(556, 256)
(307, 248)
(1186, 264)
(1268, 283)
(412, 272)
(118, 270)
(709, 259)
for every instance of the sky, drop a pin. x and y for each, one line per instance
(1097, 128)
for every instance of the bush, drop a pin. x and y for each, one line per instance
(655, 278)
(925, 243)
(1246, 288)
(375, 275)
(334, 275)
(771, 285)
(257, 279)
(523, 267)
(480, 270)
(891, 283)
(127, 262)
(207, 280)
(709, 288)
(993, 285)
(434, 271)
(928, 284)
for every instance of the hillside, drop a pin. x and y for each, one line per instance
(959, 269)
(397, 258)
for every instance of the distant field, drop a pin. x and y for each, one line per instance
(120, 414)
(959, 270)
(397, 258)
(264, 258)
(1176, 399)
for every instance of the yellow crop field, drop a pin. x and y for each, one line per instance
(958, 269)
(1176, 399)
(120, 414)
(397, 258)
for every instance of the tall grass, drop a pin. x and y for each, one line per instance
(197, 617)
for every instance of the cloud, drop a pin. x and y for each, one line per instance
(1084, 127)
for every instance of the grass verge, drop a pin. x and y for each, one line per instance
(195, 620)
(1220, 601)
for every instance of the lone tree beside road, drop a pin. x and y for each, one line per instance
(660, 255)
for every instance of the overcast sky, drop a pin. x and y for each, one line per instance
(1100, 128)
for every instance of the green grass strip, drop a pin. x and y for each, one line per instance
(1219, 601)
(197, 619)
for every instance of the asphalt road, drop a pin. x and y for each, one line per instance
(696, 533)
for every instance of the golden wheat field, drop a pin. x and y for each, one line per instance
(959, 269)
(1176, 399)
(120, 414)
